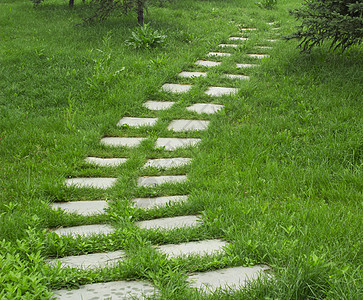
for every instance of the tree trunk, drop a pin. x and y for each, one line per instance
(71, 3)
(140, 12)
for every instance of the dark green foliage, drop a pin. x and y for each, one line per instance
(337, 21)
(267, 4)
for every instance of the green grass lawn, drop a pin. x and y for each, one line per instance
(279, 173)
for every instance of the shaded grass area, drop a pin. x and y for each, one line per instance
(278, 174)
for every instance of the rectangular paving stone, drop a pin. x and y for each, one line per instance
(228, 45)
(158, 105)
(84, 208)
(241, 66)
(185, 74)
(96, 182)
(137, 122)
(176, 88)
(264, 47)
(271, 40)
(218, 54)
(207, 63)
(167, 163)
(230, 278)
(170, 223)
(188, 125)
(148, 203)
(205, 108)
(238, 38)
(172, 144)
(206, 247)
(220, 91)
(150, 181)
(115, 290)
(89, 261)
(85, 230)
(248, 29)
(233, 76)
(259, 56)
(122, 141)
(106, 162)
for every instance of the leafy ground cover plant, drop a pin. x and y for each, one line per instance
(267, 4)
(145, 37)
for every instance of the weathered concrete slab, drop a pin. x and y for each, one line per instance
(148, 203)
(96, 182)
(228, 45)
(85, 230)
(271, 40)
(205, 108)
(158, 105)
(259, 56)
(248, 29)
(233, 76)
(172, 144)
(188, 125)
(264, 47)
(137, 122)
(89, 261)
(270, 23)
(106, 162)
(176, 88)
(116, 290)
(84, 208)
(238, 38)
(206, 247)
(150, 181)
(167, 163)
(220, 91)
(218, 54)
(241, 66)
(230, 278)
(185, 74)
(207, 63)
(170, 223)
(122, 141)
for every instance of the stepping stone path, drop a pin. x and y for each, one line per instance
(227, 278)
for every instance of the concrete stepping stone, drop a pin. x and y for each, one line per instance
(220, 91)
(233, 76)
(271, 40)
(176, 88)
(122, 141)
(238, 38)
(264, 47)
(172, 144)
(259, 56)
(96, 182)
(218, 54)
(148, 203)
(115, 290)
(270, 23)
(167, 163)
(185, 74)
(85, 230)
(150, 181)
(206, 247)
(158, 105)
(84, 208)
(89, 261)
(137, 122)
(228, 45)
(106, 162)
(205, 108)
(248, 29)
(188, 125)
(241, 66)
(230, 278)
(207, 63)
(170, 223)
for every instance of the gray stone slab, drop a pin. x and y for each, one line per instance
(233, 76)
(89, 261)
(158, 105)
(176, 88)
(271, 40)
(230, 278)
(150, 181)
(85, 230)
(170, 223)
(206, 247)
(188, 125)
(84, 208)
(241, 66)
(205, 108)
(259, 56)
(116, 290)
(96, 182)
(207, 63)
(185, 74)
(148, 203)
(228, 45)
(122, 141)
(218, 54)
(167, 163)
(106, 162)
(264, 47)
(172, 144)
(137, 122)
(270, 23)
(220, 91)
(248, 29)
(238, 38)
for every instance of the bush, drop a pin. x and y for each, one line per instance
(339, 22)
